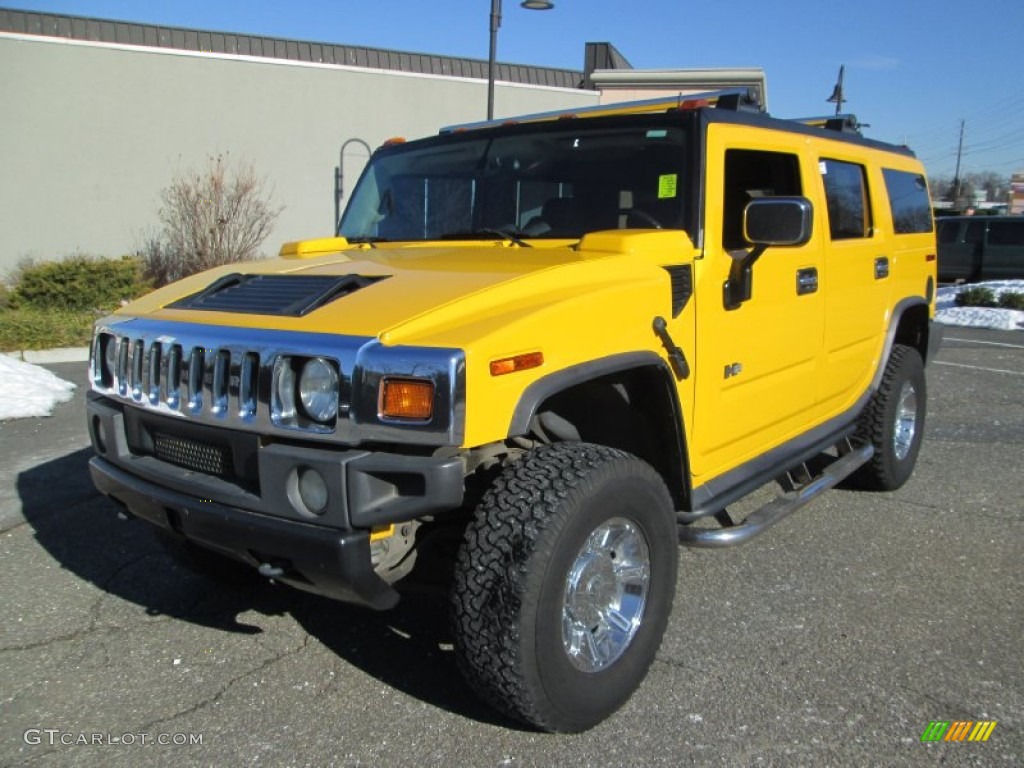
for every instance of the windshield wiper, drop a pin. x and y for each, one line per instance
(469, 234)
(370, 240)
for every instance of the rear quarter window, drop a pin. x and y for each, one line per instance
(1006, 233)
(908, 200)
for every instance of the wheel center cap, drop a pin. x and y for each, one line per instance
(592, 587)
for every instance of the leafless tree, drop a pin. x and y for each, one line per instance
(216, 215)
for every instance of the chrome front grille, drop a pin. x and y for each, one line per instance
(224, 376)
(208, 374)
(194, 380)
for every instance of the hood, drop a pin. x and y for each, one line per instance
(390, 293)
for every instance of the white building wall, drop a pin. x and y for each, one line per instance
(90, 133)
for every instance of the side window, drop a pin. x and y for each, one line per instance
(908, 201)
(975, 232)
(846, 192)
(948, 231)
(1006, 233)
(750, 174)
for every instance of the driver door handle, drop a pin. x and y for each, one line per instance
(806, 281)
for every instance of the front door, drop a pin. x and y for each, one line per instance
(758, 362)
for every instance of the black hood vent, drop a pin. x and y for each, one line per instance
(284, 295)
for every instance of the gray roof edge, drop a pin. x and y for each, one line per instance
(100, 30)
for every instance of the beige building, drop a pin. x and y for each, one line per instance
(99, 115)
(1016, 201)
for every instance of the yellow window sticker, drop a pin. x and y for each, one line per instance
(667, 185)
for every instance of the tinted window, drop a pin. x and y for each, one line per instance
(749, 175)
(1006, 233)
(846, 192)
(975, 232)
(948, 231)
(553, 180)
(908, 200)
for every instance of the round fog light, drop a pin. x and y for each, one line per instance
(318, 390)
(312, 490)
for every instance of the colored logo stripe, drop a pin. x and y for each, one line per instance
(958, 730)
(982, 730)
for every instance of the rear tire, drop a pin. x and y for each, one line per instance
(893, 422)
(564, 585)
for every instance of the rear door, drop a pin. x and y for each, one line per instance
(1004, 252)
(958, 259)
(856, 280)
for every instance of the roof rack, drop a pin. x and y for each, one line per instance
(840, 123)
(732, 98)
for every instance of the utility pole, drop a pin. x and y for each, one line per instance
(956, 176)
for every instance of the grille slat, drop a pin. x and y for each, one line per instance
(174, 377)
(195, 379)
(247, 385)
(154, 377)
(221, 380)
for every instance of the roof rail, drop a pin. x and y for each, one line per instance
(732, 98)
(840, 123)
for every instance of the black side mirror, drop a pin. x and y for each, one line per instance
(767, 222)
(778, 221)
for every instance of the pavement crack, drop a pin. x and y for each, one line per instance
(222, 690)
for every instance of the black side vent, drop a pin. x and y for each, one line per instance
(682, 286)
(290, 295)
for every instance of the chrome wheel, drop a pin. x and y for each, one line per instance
(905, 426)
(605, 594)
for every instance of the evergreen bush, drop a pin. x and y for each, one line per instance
(80, 283)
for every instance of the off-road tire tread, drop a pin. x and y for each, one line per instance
(875, 426)
(490, 572)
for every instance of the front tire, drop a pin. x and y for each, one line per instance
(893, 422)
(564, 585)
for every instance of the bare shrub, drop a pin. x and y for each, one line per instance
(217, 215)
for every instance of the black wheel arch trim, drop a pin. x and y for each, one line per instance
(928, 347)
(543, 389)
(553, 383)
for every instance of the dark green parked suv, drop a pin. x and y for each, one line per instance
(975, 248)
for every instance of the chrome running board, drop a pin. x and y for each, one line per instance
(778, 508)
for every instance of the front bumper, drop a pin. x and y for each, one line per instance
(236, 493)
(321, 560)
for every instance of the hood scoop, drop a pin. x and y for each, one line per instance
(281, 295)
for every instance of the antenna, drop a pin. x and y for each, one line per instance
(837, 92)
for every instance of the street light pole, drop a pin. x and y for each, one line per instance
(530, 5)
(495, 23)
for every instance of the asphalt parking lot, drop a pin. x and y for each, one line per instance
(833, 639)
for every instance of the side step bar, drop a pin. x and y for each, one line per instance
(779, 507)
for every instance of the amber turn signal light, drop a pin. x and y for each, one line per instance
(407, 399)
(517, 363)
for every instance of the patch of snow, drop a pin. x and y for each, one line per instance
(28, 391)
(948, 313)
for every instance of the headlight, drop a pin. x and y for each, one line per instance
(318, 390)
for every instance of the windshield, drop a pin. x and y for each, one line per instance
(558, 181)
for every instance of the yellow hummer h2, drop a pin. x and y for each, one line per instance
(567, 343)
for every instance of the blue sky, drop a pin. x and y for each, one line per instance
(914, 69)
